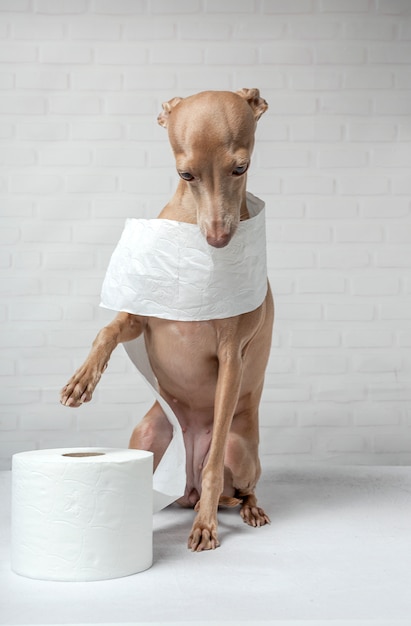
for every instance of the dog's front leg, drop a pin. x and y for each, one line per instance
(81, 385)
(204, 531)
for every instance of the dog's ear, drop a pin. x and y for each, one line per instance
(162, 118)
(258, 104)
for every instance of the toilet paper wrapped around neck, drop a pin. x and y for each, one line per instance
(166, 269)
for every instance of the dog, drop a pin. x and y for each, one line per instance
(211, 372)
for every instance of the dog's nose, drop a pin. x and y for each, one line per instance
(218, 241)
(217, 232)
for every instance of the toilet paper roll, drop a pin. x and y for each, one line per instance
(82, 514)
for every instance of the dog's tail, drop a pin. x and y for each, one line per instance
(229, 502)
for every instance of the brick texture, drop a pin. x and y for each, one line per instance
(81, 85)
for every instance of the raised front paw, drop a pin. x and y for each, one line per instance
(80, 387)
(203, 537)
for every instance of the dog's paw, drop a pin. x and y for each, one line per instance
(80, 388)
(74, 395)
(254, 516)
(203, 537)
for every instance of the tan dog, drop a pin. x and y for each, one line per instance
(211, 372)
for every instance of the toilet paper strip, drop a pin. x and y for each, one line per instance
(81, 518)
(164, 268)
(169, 479)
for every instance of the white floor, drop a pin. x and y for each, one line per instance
(338, 548)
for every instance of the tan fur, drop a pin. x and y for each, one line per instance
(211, 372)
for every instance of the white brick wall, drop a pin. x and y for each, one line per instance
(81, 83)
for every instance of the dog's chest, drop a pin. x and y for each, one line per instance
(183, 356)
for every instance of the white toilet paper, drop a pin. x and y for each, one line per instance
(82, 514)
(166, 269)
(169, 479)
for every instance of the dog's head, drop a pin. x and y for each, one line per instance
(212, 137)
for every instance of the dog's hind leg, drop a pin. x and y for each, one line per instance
(153, 433)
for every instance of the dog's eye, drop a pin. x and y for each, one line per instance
(241, 169)
(186, 176)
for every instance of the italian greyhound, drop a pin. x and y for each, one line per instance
(211, 372)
